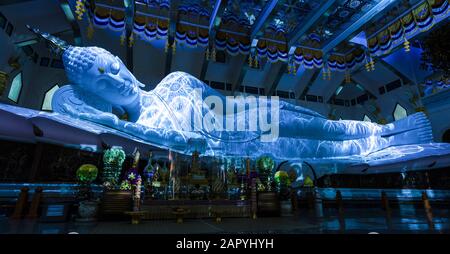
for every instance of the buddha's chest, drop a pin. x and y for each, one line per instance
(175, 113)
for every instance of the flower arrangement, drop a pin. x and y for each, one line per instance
(265, 165)
(131, 179)
(112, 159)
(133, 182)
(282, 178)
(86, 174)
(282, 182)
(114, 155)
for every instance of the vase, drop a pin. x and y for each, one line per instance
(87, 211)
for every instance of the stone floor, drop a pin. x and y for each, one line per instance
(356, 220)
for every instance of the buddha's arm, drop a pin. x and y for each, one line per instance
(177, 140)
(90, 113)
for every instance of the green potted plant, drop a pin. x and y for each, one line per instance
(282, 182)
(88, 207)
(265, 166)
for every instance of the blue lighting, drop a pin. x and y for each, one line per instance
(68, 12)
(183, 114)
(16, 87)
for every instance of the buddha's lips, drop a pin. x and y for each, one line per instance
(127, 88)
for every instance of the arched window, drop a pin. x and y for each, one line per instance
(16, 87)
(47, 103)
(367, 119)
(399, 112)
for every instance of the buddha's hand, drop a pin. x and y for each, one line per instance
(91, 114)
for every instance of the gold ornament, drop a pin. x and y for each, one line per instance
(207, 54)
(122, 38)
(213, 54)
(367, 65)
(347, 77)
(250, 61)
(131, 40)
(166, 46)
(406, 45)
(372, 65)
(174, 48)
(80, 9)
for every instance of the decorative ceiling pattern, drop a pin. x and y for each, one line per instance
(399, 8)
(335, 21)
(413, 22)
(156, 4)
(276, 28)
(288, 14)
(242, 12)
(196, 8)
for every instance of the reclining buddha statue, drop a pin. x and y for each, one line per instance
(185, 115)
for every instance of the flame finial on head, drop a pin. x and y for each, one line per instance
(57, 45)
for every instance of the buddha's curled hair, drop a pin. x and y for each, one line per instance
(77, 60)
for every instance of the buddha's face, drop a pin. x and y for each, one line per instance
(99, 72)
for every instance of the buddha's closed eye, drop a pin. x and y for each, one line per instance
(114, 68)
(109, 65)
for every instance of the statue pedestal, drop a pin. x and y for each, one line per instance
(268, 204)
(136, 216)
(286, 208)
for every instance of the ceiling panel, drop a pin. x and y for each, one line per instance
(243, 12)
(288, 14)
(43, 14)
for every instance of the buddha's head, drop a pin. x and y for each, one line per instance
(99, 72)
(95, 70)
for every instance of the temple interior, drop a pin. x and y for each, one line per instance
(95, 96)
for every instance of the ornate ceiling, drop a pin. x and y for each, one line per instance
(336, 20)
(289, 14)
(243, 12)
(316, 29)
(315, 34)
